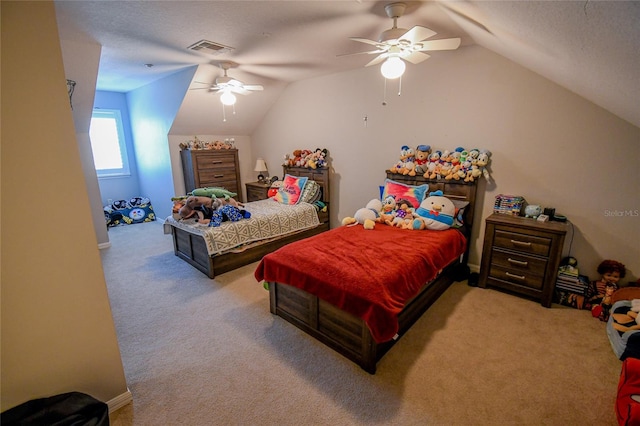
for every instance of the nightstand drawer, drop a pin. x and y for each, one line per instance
(518, 263)
(522, 242)
(518, 277)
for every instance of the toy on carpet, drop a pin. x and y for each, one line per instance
(436, 212)
(127, 212)
(599, 292)
(367, 216)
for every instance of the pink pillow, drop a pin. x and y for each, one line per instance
(401, 191)
(291, 189)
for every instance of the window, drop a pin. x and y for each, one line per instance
(108, 144)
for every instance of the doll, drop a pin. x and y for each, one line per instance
(599, 292)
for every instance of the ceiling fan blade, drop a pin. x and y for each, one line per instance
(378, 59)
(239, 90)
(444, 44)
(253, 87)
(417, 33)
(415, 57)
(369, 52)
(365, 40)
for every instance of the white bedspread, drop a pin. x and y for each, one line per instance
(268, 219)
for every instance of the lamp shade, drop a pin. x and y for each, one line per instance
(393, 67)
(227, 98)
(261, 166)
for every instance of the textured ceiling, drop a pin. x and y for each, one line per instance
(590, 47)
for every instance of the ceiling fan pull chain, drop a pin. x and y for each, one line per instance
(384, 95)
(224, 116)
(400, 86)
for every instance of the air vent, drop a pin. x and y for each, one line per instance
(209, 47)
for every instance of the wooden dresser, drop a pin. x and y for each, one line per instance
(522, 255)
(211, 167)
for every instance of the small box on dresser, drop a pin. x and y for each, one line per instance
(522, 255)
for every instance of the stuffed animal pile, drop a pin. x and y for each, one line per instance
(458, 164)
(436, 212)
(196, 143)
(306, 158)
(209, 209)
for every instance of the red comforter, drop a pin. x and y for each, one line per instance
(368, 273)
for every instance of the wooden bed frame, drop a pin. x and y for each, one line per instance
(192, 248)
(348, 334)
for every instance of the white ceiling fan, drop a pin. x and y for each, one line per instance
(227, 86)
(397, 44)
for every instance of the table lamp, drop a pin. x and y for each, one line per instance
(261, 168)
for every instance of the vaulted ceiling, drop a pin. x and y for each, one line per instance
(589, 47)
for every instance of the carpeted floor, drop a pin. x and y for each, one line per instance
(208, 352)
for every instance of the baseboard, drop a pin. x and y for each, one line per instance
(474, 268)
(102, 246)
(120, 401)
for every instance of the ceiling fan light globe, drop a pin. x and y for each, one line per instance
(227, 98)
(392, 68)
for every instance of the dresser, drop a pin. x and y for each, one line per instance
(521, 255)
(257, 190)
(211, 167)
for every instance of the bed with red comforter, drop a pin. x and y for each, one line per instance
(358, 290)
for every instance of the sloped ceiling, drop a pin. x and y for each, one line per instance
(589, 47)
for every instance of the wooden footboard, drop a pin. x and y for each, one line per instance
(193, 250)
(346, 333)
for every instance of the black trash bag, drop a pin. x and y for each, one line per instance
(67, 409)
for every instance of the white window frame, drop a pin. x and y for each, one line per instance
(124, 170)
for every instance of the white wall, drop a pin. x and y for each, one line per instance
(152, 110)
(549, 145)
(57, 330)
(81, 60)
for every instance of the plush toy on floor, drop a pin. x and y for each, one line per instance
(598, 294)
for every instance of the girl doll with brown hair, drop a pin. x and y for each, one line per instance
(598, 294)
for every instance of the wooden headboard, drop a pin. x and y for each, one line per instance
(321, 176)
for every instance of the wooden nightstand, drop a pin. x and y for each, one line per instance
(257, 190)
(522, 255)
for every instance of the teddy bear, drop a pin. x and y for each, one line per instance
(436, 212)
(422, 153)
(366, 216)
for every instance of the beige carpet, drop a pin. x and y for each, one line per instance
(208, 352)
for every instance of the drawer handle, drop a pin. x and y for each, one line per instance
(517, 262)
(216, 162)
(218, 176)
(521, 243)
(520, 277)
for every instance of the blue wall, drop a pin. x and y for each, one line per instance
(152, 109)
(119, 188)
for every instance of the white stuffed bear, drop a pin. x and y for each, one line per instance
(366, 216)
(436, 212)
